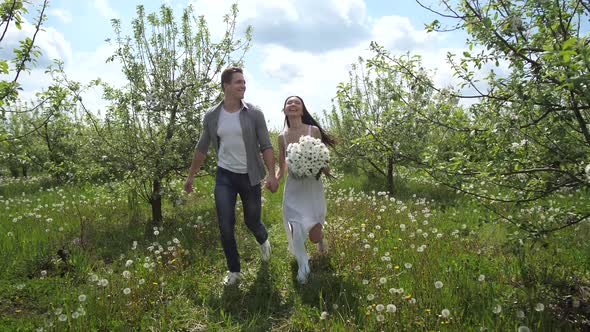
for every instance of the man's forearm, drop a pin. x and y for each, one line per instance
(269, 161)
(198, 160)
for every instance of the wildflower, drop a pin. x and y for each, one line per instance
(324, 315)
(103, 282)
(540, 307)
(365, 282)
(523, 329)
(81, 297)
(335, 306)
(44, 273)
(370, 297)
(127, 291)
(380, 307)
(63, 317)
(438, 284)
(58, 311)
(402, 227)
(520, 314)
(156, 232)
(382, 280)
(392, 290)
(445, 313)
(75, 315)
(391, 308)
(126, 274)
(497, 309)
(380, 318)
(408, 265)
(141, 281)
(128, 263)
(481, 278)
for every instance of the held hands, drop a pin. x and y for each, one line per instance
(272, 183)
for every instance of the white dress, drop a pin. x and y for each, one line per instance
(304, 206)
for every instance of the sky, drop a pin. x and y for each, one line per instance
(299, 47)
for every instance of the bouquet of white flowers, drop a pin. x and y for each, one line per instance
(307, 157)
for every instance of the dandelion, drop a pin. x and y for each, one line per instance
(380, 307)
(539, 307)
(75, 315)
(380, 318)
(497, 309)
(523, 329)
(481, 278)
(445, 313)
(370, 297)
(127, 291)
(420, 249)
(382, 280)
(141, 281)
(335, 306)
(20, 286)
(392, 290)
(103, 282)
(93, 278)
(44, 273)
(10, 234)
(391, 308)
(408, 265)
(402, 227)
(63, 318)
(128, 263)
(126, 274)
(371, 236)
(365, 282)
(520, 314)
(156, 232)
(438, 284)
(58, 311)
(324, 315)
(81, 297)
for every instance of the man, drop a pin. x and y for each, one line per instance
(238, 132)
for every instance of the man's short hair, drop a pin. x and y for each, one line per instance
(227, 75)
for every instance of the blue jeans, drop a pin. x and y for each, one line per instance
(227, 186)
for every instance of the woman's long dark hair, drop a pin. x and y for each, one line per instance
(309, 120)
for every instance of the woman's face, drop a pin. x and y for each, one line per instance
(293, 107)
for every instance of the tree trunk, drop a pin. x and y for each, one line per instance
(390, 175)
(156, 202)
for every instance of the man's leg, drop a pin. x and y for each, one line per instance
(251, 203)
(225, 204)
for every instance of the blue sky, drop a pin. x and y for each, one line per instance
(302, 47)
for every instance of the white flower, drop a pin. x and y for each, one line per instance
(128, 263)
(540, 307)
(445, 313)
(520, 314)
(81, 297)
(481, 278)
(126, 274)
(391, 308)
(380, 307)
(497, 309)
(380, 318)
(382, 280)
(63, 317)
(438, 284)
(370, 297)
(523, 329)
(324, 315)
(307, 157)
(127, 291)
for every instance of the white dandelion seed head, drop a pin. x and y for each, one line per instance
(481, 278)
(523, 329)
(391, 308)
(438, 284)
(380, 318)
(539, 307)
(382, 280)
(408, 265)
(127, 291)
(520, 314)
(324, 315)
(63, 317)
(497, 309)
(128, 263)
(370, 297)
(445, 313)
(81, 297)
(380, 307)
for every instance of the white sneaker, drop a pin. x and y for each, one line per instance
(232, 278)
(265, 251)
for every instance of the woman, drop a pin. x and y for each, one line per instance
(304, 203)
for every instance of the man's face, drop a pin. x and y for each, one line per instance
(236, 87)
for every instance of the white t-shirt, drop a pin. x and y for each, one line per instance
(232, 150)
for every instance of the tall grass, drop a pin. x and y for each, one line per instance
(75, 258)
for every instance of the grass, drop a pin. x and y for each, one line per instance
(75, 259)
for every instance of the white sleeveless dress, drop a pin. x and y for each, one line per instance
(304, 206)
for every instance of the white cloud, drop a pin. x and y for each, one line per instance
(63, 15)
(50, 42)
(104, 9)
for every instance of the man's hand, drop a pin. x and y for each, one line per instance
(272, 183)
(188, 185)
